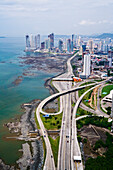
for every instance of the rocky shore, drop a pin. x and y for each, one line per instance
(24, 129)
(45, 62)
(3, 166)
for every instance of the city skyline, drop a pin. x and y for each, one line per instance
(19, 18)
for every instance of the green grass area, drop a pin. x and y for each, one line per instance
(94, 120)
(52, 122)
(81, 91)
(36, 121)
(106, 89)
(86, 98)
(55, 146)
(98, 80)
(87, 83)
(93, 100)
(44, 147)
(73, 104)
(81, 112)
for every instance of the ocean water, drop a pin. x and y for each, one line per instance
(11, 96)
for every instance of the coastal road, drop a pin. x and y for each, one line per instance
(49, 161)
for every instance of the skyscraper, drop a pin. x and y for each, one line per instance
(69, 45)
(73, 37)
(38, 41)
(51, 36)
(27, 42)
(47, 43)
(32, 43)
(86, 67)
(101, 46)
(78, 41)
(60, 45)
(43, 45)
(90, 45)
(72, 43)
(110, 54)
(84, 47)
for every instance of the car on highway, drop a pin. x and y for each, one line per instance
(67, 136)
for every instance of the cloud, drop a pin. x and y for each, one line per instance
(88, 22)
(57, 15)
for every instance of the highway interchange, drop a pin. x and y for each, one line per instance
(68, 144)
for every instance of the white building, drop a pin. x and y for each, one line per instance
(86, 66)
(91, 45)
(32, 42)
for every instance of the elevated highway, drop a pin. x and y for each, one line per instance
(68, 145)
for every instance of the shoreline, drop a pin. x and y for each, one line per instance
(25, 124)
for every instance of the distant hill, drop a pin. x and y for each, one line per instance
(105, 35)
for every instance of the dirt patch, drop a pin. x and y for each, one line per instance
(90, 135)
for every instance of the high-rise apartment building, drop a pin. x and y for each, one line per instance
(110, 56)
(43, 45)
(101, 46)
(86, 66)
(60, 45)
(38, 41)
(84, 47)
(69, 45)
(78, 41)
(47, 43)
(90, 45)
(51, 36)
(72, 43)
(87, 63)
(32, 42)
(27, 42)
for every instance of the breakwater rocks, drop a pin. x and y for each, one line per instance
(26, 130)
(32, 156)
(5, 167)
(33, 148)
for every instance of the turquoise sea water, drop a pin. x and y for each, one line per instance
(11, 96)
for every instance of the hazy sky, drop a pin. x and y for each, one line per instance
(20, 17)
